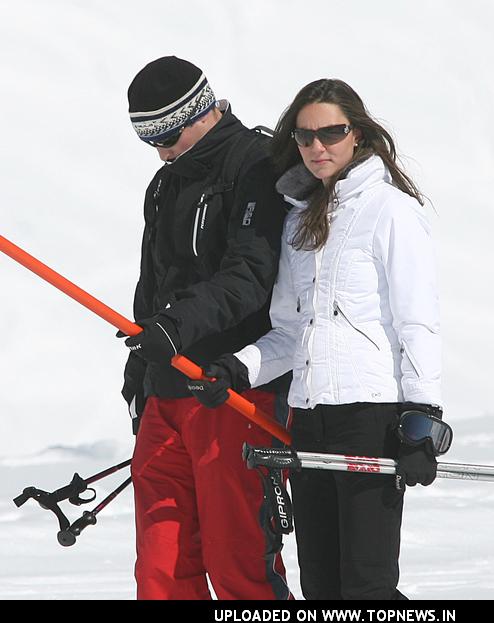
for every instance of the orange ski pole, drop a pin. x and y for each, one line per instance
(69, 288)
(180, 362)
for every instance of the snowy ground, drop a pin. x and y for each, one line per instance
(72, 180)
(447, 552)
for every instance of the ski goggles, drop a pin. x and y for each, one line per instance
(417, 427)
(329, 135)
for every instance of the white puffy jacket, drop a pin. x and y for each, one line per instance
(357, 321)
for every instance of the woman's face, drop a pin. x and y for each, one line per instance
(323, 161)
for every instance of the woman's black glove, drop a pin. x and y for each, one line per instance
(158, 342)
(415, 465)
(229, 372)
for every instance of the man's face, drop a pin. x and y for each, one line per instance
(189, 136)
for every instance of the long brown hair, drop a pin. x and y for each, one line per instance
(314, 226)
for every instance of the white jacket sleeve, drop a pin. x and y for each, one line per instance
(402, 242)
(272, 354)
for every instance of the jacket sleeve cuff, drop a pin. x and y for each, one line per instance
(423, 392)
(250, 356)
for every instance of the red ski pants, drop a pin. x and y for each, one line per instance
(199, 510)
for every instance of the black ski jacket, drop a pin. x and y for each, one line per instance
(210, 251)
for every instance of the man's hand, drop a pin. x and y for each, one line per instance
(229, 373)
(158, 342)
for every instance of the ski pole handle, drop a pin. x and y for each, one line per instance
(237, 402)
(180, 362)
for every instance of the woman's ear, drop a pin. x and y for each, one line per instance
(357, 135)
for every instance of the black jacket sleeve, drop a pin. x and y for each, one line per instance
(246, 275)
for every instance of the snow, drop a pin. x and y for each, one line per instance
(72, 179)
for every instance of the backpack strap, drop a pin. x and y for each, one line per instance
(234, 160)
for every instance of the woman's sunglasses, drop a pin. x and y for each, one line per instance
(329, 135)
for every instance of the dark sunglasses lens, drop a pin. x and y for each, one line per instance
(167, 142)
(417, 427)
(328, 136)
(304, 138)
(332, 135)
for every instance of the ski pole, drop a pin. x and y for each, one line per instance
(68, 536)
(282, 458)
(180, 362)
(50, 501)
(67, 287)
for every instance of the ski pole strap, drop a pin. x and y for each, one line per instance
(274, 460)
(49, 501)
(278, 501)
(71, 492)
(69, 534)
(46, 501)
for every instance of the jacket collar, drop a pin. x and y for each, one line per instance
(298, 182)
(361, 177)
(197, 162)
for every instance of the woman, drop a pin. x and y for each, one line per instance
(355, 316)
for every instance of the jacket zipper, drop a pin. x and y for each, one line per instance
(199, 222)
(338, 310)
(405, 349)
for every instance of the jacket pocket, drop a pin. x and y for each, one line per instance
(338, 311)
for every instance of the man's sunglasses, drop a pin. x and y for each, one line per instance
(170, 141)
(329, 135)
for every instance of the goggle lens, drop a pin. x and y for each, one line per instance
(415, 427)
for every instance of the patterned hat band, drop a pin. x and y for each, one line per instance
(156, 125)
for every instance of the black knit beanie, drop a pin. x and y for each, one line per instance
(165, 95)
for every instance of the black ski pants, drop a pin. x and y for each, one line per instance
(347, 524)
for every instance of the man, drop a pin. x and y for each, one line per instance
(209, 259)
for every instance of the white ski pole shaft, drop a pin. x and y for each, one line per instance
(338, 462)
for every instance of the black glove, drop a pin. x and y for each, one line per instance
(416, 464)
(132, 390)
(158, 342)
(229, 372)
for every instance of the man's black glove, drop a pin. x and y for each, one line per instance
(229, 372)
(416, 464)
(158, 342)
